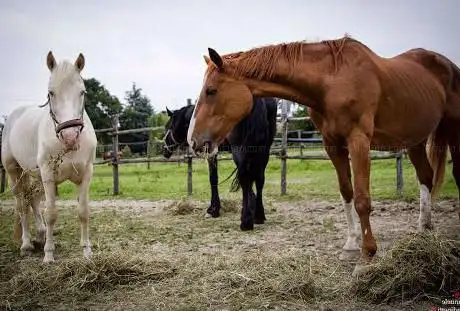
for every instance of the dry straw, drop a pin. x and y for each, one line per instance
(424, 265)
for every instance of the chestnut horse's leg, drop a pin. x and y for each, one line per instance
(424, 171)
(338, 154)
(359, 148)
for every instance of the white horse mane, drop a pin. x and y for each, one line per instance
(64, 73)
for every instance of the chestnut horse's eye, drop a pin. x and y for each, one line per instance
(211, 92)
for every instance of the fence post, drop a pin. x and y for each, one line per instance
(284, 133)
(115, 155)
(189, 173)
(399, 174)
(3, 182)
(149, 150)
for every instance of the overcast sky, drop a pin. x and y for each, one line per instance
(159, 44)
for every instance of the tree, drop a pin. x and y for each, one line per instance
(136, 115)
(100, 106)
(157, 120)
(304, 125)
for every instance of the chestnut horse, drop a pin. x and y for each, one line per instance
(358, 101)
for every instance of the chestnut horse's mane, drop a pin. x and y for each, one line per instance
(261, 62)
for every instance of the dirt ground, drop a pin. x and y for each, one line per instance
(314, 230)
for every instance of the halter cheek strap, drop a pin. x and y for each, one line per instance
(58, 127)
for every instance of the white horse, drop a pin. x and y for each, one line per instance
(54, 142)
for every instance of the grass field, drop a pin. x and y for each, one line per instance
(153, 251)
(305, 179)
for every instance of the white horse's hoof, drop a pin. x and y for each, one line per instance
(350, 255)
(49, 258)
(26, 249)
(87, 253)
(425, 227)
(207, 215)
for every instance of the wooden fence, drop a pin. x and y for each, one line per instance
(282, 154)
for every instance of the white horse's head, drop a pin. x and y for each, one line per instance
(66, 98)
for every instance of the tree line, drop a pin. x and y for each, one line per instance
(137, 112)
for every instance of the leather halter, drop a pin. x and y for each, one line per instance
(175, 143)
(58, 127)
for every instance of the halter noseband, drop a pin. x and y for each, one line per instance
(175, 143)
(58, 127)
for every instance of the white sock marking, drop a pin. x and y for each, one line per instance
(354, 229)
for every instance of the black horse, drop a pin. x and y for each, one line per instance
(249, 142)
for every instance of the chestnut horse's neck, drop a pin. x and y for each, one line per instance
(295, 71)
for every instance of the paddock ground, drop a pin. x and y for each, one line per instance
(289, 263)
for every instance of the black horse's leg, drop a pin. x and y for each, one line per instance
(214, 207)
(259, 217)
(247, 213)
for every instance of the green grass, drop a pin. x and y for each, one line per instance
(305, 179)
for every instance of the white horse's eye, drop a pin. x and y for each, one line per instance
(51, 93)
(83, 93)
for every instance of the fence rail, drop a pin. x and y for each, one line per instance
(281, 153)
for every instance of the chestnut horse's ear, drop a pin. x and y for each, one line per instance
(50, 61)
(216, 59)
(206, 59)
(169, 112)
(80, 62)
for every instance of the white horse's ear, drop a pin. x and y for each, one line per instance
(80, 62)
(50, 61)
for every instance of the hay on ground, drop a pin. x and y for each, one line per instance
(181, 207)
(230, 206)
(78, 278)
(421, 266)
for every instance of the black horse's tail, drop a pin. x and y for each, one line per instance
(235, 186)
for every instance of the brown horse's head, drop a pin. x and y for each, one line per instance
(223, 102)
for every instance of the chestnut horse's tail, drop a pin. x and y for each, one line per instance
(437, 155)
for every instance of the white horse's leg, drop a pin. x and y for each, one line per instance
(50, 215)
(39, 225)
(20, 181)
(84, 211)
(26, 246)
(424, 220)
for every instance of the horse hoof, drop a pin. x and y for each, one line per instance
(350, 255)
(246, 226)
(211, 215)
(425, 227)
(26, 249)
(87, 252)
(259, 221)
(212, 212)
(48, 259)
